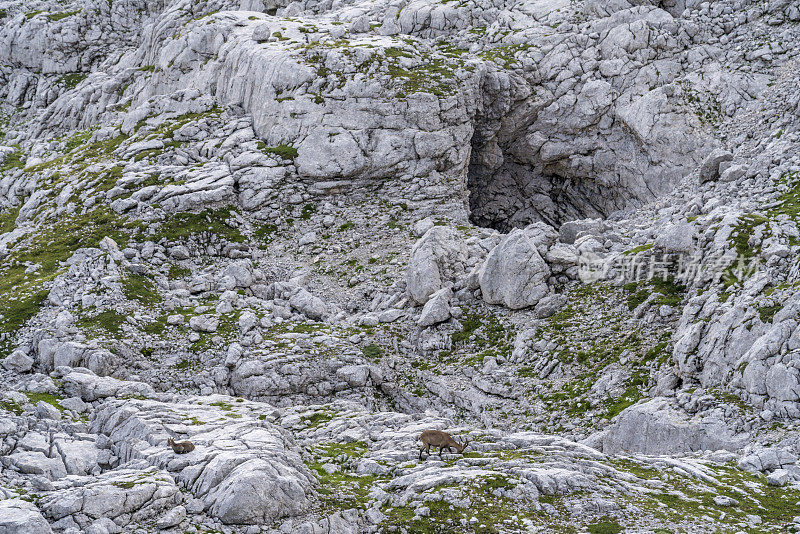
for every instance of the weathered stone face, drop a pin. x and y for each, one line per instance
(299, 234)
(544, 153)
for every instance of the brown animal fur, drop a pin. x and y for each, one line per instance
(180, 447)
(443, 440)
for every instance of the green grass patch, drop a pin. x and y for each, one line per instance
(108, 320)
(317, 418)
(11, 406)
(629, 397)
(672, 293)
(155, 328)
(15, 160)
(282, 151)
(227, 330)
(790, 199)
(494, 513)
(605, 526)
(62, 15)
(49, 398)
(669, 292)
(265, 231)
(209, 222)
(140, 288)
(505, 55)
(491, 338)
(21, 293)
(307, 211)
(766, 313)
(72, 79)
(435, 76)
(741, 234)
(177, 272)
(355, 449)
(372, 351)
(637, 250)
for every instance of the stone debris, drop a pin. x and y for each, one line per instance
(298, 234)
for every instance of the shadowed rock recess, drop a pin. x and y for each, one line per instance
(298, 234)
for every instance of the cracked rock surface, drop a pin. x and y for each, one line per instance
(297, 234)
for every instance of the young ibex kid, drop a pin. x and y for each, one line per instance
(180, 447)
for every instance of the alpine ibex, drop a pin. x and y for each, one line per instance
(443, 440)
(180, 447)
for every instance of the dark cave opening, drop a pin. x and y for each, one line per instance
(506, 191)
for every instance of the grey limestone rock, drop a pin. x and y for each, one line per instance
(710, 170)
(514, 273)
(22, 517)
(438, 257)
(655, 427)
(18, 361)
(437, 309)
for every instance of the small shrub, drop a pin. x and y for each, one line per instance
(155, 328)
(636, 299)
(372, 351)
(15, 160)
(265, 231)
(308, 211)
(766, 313)
(640, 248)
(62, 15)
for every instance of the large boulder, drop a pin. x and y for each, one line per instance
(307, 304)
(437, 309)
(762, 460)
(204, 323)
(52, 353)
(240, 272)
(568, 232)
(676, 238)
(36, 463)
(258, 491)
(90, 387)
(18, 361)
(514, 273)
(116, 495)
(710, 170)
(438, 257)
(21, 517)
(80, 457)
(655, 427)
(245, 470)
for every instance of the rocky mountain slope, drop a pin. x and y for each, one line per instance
(299, 234)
